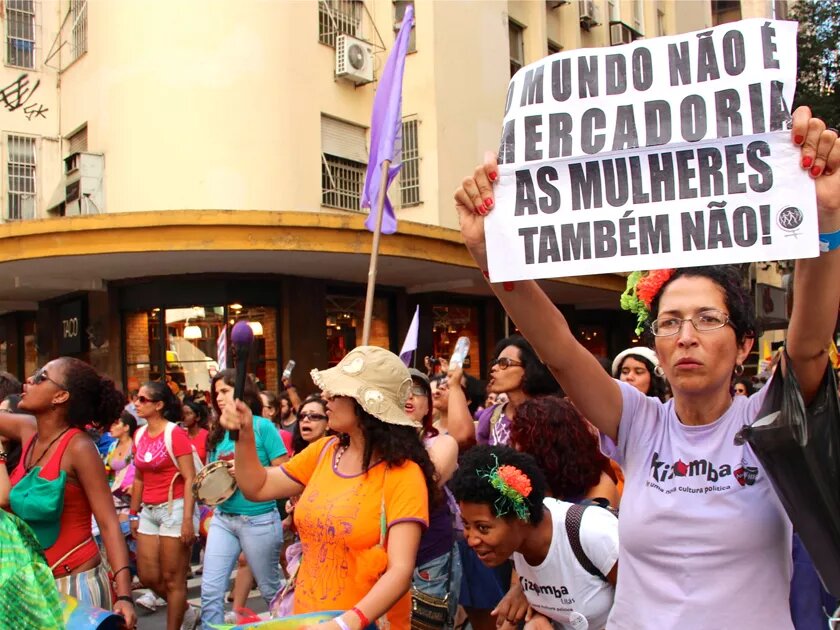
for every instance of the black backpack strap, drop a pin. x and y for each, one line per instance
(574, 516)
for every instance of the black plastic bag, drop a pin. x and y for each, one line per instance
(800, 450)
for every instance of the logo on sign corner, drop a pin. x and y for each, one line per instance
(789, 219)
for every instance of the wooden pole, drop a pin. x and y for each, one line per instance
(374, 252)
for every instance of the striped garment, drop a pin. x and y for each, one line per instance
(91, 587)
(28, 597)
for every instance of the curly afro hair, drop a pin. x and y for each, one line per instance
(738, 301)
(471, 485)
(552, 430)
(93, 398)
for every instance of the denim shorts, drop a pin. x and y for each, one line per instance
(156, 520)
(440, 577)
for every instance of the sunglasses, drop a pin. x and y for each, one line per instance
(41, 375)
(144, 400)
(312, 416)
(504, 363)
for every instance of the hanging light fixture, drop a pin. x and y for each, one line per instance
(191, 331)
(256, 328)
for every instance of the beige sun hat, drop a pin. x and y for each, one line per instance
(376, 378)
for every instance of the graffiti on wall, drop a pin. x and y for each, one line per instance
(17, 95)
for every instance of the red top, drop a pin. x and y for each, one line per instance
(75, 527)
(158, 469)
(200, 443)
(287, 440)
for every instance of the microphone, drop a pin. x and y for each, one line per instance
(242, 337)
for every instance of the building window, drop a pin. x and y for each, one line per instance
(516, 39)
(182, 346)
(78, 142)
(336, 17)
(20, 33)
(660, 23)
(638, 16)
(343, 163)
(78, 26)
(614, 10)
(410, 171)
(399, 11)
(724, 11)
(20, 160)
(554, 47)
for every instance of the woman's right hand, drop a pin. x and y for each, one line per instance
(454, 378)
(474, 199)
(237, 417)
(133, 525)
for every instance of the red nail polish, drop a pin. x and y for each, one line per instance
(488, 203)
(486, 274)
(798, 139)
(807, 161)
(493, 176)
(815, 171)
(481, 210)
(507, 286)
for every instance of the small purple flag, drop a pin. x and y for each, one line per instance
(386, 129)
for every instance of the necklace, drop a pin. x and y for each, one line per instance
(338, 455)
(46, 450)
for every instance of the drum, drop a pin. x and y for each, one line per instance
(214, 483)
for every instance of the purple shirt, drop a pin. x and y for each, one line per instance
(705, 542)
(492, 434)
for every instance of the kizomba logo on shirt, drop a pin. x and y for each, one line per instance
(560, 592)
(663, 471)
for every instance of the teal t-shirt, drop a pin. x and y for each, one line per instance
(269, 446)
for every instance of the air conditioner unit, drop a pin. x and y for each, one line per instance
(588, 14)
(353, 60)
(83, 184)
(621, 33)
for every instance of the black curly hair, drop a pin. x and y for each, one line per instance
(738, 301)
(94, 399)
(200, 410)
(538, 380)
(395, 444)
(471, 485)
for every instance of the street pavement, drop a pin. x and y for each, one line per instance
(157, 620)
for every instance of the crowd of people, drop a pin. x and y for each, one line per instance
(427, 499)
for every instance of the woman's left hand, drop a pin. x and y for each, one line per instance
(187, 532)
(820, 156)
(512, 609)
(127, 612)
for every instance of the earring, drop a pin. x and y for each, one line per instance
(659, 371)
(739, 369)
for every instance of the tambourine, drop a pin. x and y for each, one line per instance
(214, 484)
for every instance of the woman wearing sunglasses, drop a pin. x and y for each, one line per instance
(62, 468)
(312, 423)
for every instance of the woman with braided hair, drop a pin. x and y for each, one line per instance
(565, 554)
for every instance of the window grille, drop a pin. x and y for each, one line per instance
(20, 161)
(78, 22)
(336, 17)
(399, 12)
(517, 46)
(410, 170)
(341, 182)
(20, 33)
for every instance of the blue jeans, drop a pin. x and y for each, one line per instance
(433, 578)
(259, 537)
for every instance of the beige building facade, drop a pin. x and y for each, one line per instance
(164, 163)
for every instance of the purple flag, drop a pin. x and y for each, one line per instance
(386, 129)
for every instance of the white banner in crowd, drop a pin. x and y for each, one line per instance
(672, 151)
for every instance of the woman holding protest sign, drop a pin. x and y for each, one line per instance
(700, 521)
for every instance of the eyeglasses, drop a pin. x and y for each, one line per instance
(41, 375)
(418, 391)
(144, 400)
(704, 321)
(312, 416)
(504, 363)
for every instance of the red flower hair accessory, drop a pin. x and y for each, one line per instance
(642, 289)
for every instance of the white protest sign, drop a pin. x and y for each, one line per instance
(667, 152)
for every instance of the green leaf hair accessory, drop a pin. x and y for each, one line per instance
(514, 486)
(642, 289)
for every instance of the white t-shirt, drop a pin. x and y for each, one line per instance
(560, 588)
(705, 542)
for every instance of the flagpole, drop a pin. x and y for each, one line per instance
(374, 252)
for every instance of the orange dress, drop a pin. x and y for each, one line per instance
(338, 519)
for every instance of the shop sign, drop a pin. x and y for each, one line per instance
(71, 332)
